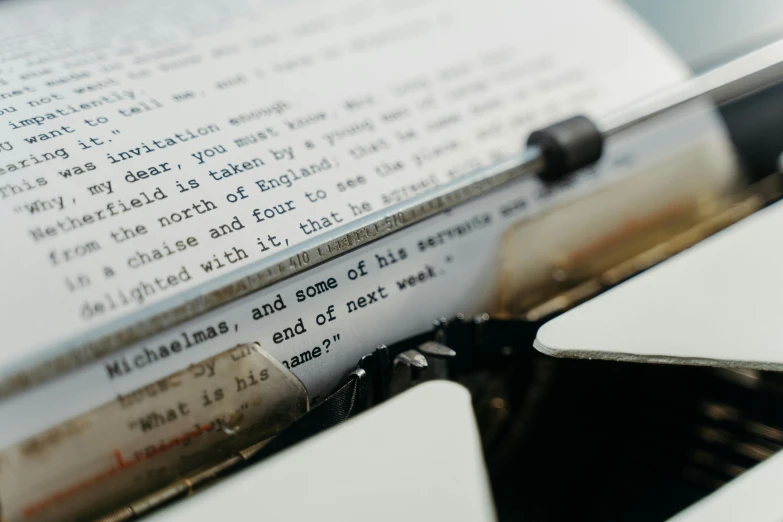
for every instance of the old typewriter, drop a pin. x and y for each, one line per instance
(514, 406)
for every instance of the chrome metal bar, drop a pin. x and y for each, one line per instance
(740, 77)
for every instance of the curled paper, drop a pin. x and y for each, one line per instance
(146, 439)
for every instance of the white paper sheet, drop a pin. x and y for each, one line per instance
(350, 90)
(393, 97)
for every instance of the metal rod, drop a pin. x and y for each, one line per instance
(745, 75)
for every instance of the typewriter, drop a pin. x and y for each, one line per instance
(239, 397)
